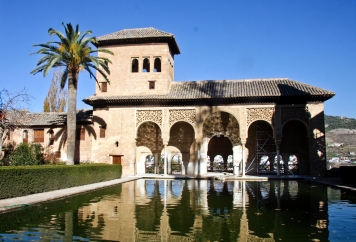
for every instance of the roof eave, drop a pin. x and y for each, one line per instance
(169, 40)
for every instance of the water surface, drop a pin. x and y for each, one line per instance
(190, 210)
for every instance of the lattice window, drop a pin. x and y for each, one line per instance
(149, 115)
(187, 115)
(300, 113)
(265, 114)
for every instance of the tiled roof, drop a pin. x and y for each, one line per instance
(47, 118)
(139, 35)
(251, 90)
(135, 34)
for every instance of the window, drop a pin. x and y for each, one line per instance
(80, 133)
(151, 84)
(25, 136)
(134, 65)
(104, 87)
(146, 65)
(38, 136)
(9, 135)
(157, 65)
(102, 131)
(51, 137)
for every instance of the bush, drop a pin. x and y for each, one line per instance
(24, 155)
(21, 181)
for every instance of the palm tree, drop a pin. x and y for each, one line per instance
(74, 53)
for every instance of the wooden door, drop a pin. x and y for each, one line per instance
(116, 160)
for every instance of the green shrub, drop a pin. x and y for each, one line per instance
(25, 155)
(21, 181)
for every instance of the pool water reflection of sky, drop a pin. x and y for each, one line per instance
(190, 210)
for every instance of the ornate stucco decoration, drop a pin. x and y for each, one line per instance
(222, 123)
(265, 114)
(149, 115)
(300, 113)
(187, 115)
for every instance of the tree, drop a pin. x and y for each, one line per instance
(56, 99)
(12, 112)
(74, 53)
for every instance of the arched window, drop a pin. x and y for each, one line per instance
(134, 65)
(157, 65)
(146, 65)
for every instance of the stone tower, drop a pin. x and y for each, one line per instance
(143, 62)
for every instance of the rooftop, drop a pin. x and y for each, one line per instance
(139, 36)
(26, 118)
(224, 92)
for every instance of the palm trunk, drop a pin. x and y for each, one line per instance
(71, 116)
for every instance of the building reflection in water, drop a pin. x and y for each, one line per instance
(193, 210)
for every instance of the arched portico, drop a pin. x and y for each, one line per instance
(182, 137)
(261, 146)
(219, 145)
(223, 126)
(295, 147)
(149, 136)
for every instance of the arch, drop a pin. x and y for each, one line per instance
(149, 135)
(295, 141)
(157, 64)
(146, 65)
(296, 119)
(261, 147)
(141, 154)
(222, 123)
(134, 65)
(184, 122)
(219, 146)
(182, 136)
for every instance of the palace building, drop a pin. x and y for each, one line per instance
(150, 123)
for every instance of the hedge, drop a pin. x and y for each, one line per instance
(22, 181)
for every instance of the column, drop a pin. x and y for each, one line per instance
(237, 158)
(157, 157)
(278, 143)
(165, 160)
(243, 163)
(199, 163)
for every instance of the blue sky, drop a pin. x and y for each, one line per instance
(311, 41)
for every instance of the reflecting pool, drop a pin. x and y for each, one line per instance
(190, 210)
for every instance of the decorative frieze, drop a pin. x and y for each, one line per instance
(300, 113)
(149, 115)
(265, 114)
(187, 115)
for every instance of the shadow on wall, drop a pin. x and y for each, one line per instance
(84, 128)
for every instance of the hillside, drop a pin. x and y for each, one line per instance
(340, 137)
(339, 122)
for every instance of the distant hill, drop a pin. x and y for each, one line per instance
(341, 131)
(339, 122)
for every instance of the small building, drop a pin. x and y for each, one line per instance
(144, 118)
